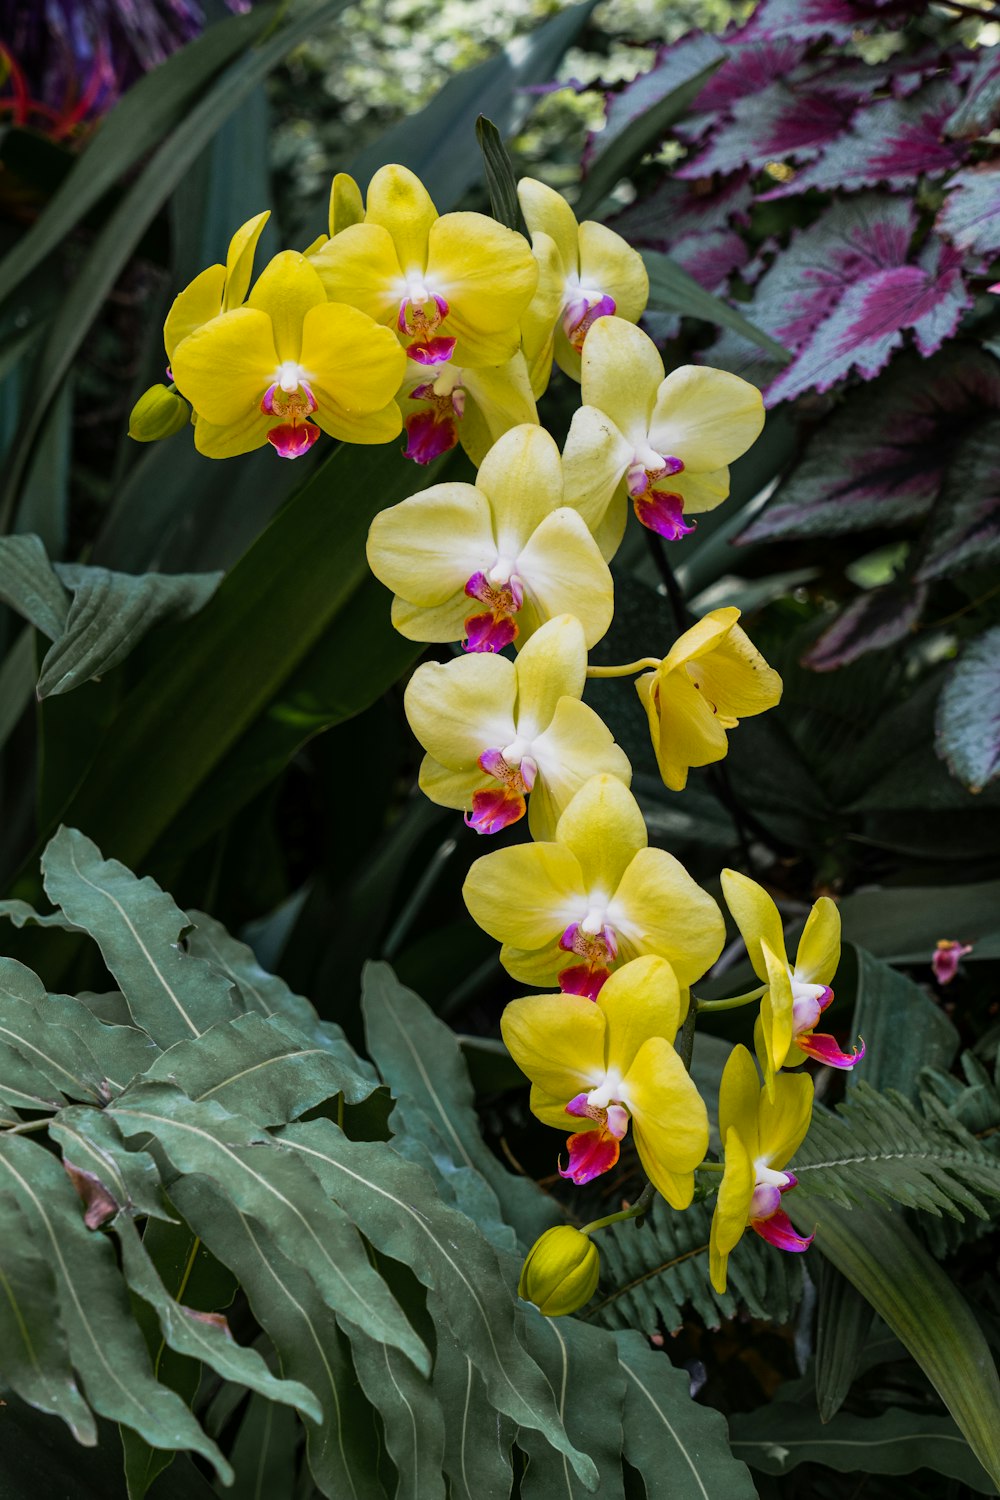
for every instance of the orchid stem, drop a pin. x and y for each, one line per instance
(734, 1001)
(686, 1048)
(27, 1126)
(710, 1166)
(635, 1211)
(628, 670)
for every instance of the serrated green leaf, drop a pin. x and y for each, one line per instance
(109, 614)
(967, 723)
(262, 1068)
(191, 1335)
(903, 1029)
(91, 1141)
(569, 1353)
(397, 1209)
(421, 1060)
(412, 1420)
(883, 1258)
(265, 993)
(136, 926)
(673, 288)
(630, 132)
(35, 1358)
(267, 1180)
(33, 1030)
(477, 1437)
(134, 127)
(680, 1448)
(106, 1347)
(311, 1347)
(781, 1436)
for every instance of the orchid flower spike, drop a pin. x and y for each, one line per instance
(761, 1132)
(596, 1068)
(445, 404)
(491, 562)
(449, 286)
(287, 365)
(664, 443)
(496, 731)
(796, 995)
(571, 910)
(712, 677)
(586, 271)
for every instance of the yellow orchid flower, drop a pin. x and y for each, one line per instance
(760, 1133)
(712, 676)
(797, 994)
(286, 365)
(217, 289)
(586, 271)
(561, 1271)
(491, 562)
(445, 404)
(497, 730)
(607, 1063)
(571, 910)
(454, 285)
(664, 442)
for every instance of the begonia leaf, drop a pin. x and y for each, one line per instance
(874, 620)
(979, 111)
(894, 141)
(779, 121)
(968, 715)
(882, 457)
(748, 69)
(673, 210)
(809, 20)
(964, 530)
(970, 217)
(641, 99)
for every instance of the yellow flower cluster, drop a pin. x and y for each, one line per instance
(449, 325)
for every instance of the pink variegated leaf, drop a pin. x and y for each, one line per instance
(895, 141)
(675, 210)
(748, 70)
(970, 217)
(780, 121)
(964, 529)
(674, 67)
(979, 111)
(809, 20)
(711, 258)
(883, 455)
(874, 620)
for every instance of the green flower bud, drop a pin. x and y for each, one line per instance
(561, 1271)
(158, 413)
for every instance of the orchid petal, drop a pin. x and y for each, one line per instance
(684, 730)
(551, 1110)
(564, 573)
(779, 1231)
(552, 665)
(546, 211)
(440, 622)
(784, 1120)
(488, 275)
(699, 492)
(739, 1102)
(352, 366)
(540, 319)
(669, 1118)
(449, 788)
(286, 290)
(731, 1209)
(658, 908)
(705, 635)
(460, 708)
(595, 459)
(777, 1018)
(819, 946)
(736, 678)
(609, 262)
(361, 267)
(427, 547)
(707, 418)
(621, 373)
(576, 745)
(234, 438)
(604, 829)
(400, 204)
(224, 367)
(522, 475)
(639, 1000)
(347, 206)
(825, 1050)
(198, 303)
(757, 917)
(240, 258)
(558, 1042)
(526, 896)
(498, 399)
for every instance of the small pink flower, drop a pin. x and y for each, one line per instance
(949, 952)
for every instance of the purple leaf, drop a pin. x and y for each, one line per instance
(779, 121)
(971, 213)
(871, 622)
(674, 210)
(967, 723)
(894, 141)
(674, 67)
(979, 111)
(808, 20)
(882, 457)
(964, 528)
(749, 70)
(711, 258)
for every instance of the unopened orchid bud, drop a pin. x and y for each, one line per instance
(158, 413)
(561, 1271)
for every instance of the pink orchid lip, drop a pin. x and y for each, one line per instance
(592, 1152)
(434, 352)
(496, 629)
(825, 1050)
(583, 979)
(494, 808)
(601, 945)
(489, 632)
(663, 514)
(416, 322)
(428, 436)
(281, 403)
(292, 439)
(580, 314)
(778, 1230)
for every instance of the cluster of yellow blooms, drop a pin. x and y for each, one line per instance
(449, 326)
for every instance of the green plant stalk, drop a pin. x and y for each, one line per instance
(733, 1002)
